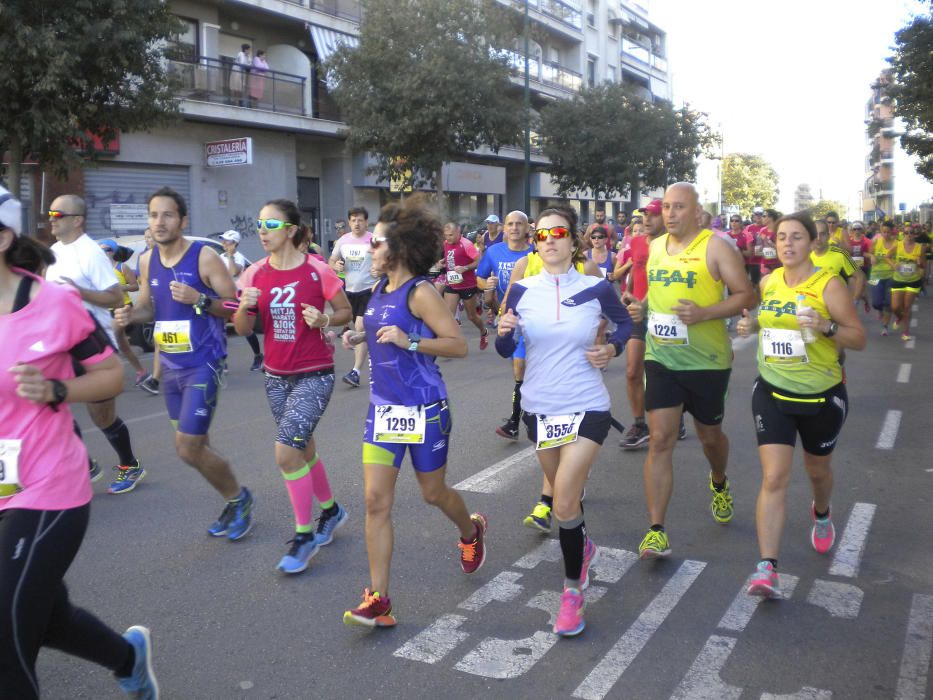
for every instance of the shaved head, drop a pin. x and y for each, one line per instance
(681, 210)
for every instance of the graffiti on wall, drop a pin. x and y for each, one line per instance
(244, 225)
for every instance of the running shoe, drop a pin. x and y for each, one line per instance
(141, 377)
(95, 471)
(636, 436)
(257, 363)
(682, 435)
(328, 524)
(126, 478)
(570, 617)
(303, 546)
(509, 430)
(722, 507)
(906, 337)
(473, 554)
(484, 339)
(352, 378)
(884, 331)
(151, 385)
(895, 325)
(539, 518)
(590, 555)
(823, 532)
(655, 545)
(764, 581)
(374, 611)
(236, 519)
(142, 684)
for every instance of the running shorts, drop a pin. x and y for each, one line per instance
(781, 415)
(702, 392)
(358, 302)
(464, 294)
(881, 294)
(913, 286)
(594, 426)
(429, 456)
(640, 330)
(191, 396)
(298, 401)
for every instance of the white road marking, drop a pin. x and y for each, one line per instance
(903, 374)
(611, 667)
(913, 323)
(915, 307)
(702, 681)
(435, 642)
(503, 589)
(849, 550)
(506, 658)
(805, 693)
(743, 606)
(549, 601)
(547, 551)
(838, 599)
(892, 422)
(918, 642)
(911, 344)
(612, 564)
(496, 478)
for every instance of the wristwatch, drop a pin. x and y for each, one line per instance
(413, 340)
(59, 393)
(832, 330)
(202, 304)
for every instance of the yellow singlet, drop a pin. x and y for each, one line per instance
(784, 360)
(685, 275)
(122, 279)
(907, 265)
(536, 264)
(835, 259)
(882, 269)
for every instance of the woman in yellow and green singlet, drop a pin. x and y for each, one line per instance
(805, 317)
(909, 264)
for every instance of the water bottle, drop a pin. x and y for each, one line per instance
(807, 333)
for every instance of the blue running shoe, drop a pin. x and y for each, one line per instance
(142, 685)
(303, 547)
(126, 478)
(236, 519)
(352, 378)
(326, 526)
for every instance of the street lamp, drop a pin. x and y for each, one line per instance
(527, 99)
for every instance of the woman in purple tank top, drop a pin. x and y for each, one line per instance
(406, 326)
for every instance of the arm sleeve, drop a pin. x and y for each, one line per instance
(506, 344)
(613, 310)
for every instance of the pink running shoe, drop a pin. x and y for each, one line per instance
(570, 618)
(823, 534)
(764, 581)
(590, 555)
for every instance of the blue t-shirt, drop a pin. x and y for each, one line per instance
(500, 259)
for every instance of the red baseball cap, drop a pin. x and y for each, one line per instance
(653, 207)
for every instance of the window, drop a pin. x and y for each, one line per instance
(611, 74)
(591, 13)
(554, 54)
(184, 47)
(591, 72)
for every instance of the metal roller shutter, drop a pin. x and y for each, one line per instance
(110, 183)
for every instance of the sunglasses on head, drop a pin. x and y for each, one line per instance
(555, 232)
(376, 241)
(56, 214)
(271, 224)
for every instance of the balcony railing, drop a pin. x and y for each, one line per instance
(636, 51)
(223, 82)
(567, 12)
(544, 71)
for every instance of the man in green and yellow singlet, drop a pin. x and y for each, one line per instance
(688, 356)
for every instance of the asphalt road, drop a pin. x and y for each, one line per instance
(858, 623)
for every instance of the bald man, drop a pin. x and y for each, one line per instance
(688, 354)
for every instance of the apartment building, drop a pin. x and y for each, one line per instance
(878, 193)
(246, 137)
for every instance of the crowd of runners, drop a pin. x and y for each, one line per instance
(560, 301)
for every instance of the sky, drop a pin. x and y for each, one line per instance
(789, 81)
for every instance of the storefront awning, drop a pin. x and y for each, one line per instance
(326, 41)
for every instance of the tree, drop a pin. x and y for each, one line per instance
(821, 208)
(748, 181)
(912, 89)
(76, 69)
(427, 84)
(609, 140)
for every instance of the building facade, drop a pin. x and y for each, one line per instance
(246, 136)
(878, 193)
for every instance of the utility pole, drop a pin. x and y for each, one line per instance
(527, 169)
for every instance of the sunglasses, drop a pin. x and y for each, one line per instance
(106, 250)
(271, 224)
(555, 232)
(376, 241)
(831, 221)
(598, 238)
(55, 214)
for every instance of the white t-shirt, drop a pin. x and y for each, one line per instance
(357, 256)
(84, 263)
(239, 259)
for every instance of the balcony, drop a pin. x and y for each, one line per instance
(567, 12)
(635, 51)
(343, 9)
(213, 80)
(546, 72)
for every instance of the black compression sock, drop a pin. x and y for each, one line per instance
(118, 435)
(572, 541)
(657, 528)
(547, 500)
(126, 668)
(773, 563)
(516, 403)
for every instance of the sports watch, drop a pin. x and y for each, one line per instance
(59, 393)
(413, 340)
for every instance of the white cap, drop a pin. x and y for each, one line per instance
(231, 235)
(492, 219)
(758, 210)
(11, 211)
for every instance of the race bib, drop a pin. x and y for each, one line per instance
(906, 269)
(554, 431)
(454, 278)
(769, 253)
(405, 424)
(783, 346)
(873, 283)
(9, 467)
(667, 329)
(173, 336)
(859, 261)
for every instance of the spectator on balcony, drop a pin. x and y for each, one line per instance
(257, 79)
(238, 74)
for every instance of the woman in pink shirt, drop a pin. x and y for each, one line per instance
(45, 490)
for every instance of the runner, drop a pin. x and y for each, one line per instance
(352, 258)
(45, 494)
(80, 263)
(860, 247)
(462, 259)
(689, 355)
(805, 317)
(909, 261)
(565, 401)
(126, 277)
(599, 254)
(836, 258)
(837, 234)
(188, 291)
(883, 247)
(236, 262)
(751, 250)
(408, 325)
(766, 241)
(496, 267)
